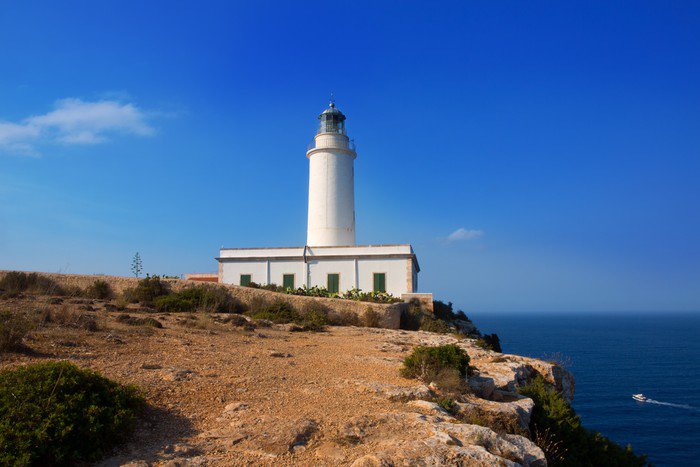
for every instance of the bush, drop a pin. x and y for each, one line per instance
(443, 311)
(371, 318)
(448, 404)
(279, 312)
(147, 290)
(174, 303)
(56, 413)
(15, 282)
(489, 342)
(13, 328)
(557, 430)
(205, 298)
(439, 326)
(344, 318)
(134, 321)
(427, 363)
(64, 316)
(312, 318)
(412, 315)
(99, 289)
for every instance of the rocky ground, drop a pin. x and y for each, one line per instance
(221, 392)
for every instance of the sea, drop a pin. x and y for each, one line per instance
(615, 355)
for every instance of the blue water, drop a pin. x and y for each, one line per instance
(613, 356)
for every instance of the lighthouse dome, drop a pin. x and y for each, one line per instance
(331, 120)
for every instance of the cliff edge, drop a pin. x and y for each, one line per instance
(223, 389)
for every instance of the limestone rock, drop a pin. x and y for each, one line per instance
(428, 407)
(371, 460)
(330, 452)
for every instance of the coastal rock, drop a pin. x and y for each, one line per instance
(397, 393)
(439, 442)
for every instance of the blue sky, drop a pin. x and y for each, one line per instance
(562, 138)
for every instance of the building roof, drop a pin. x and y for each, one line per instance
(319, 252)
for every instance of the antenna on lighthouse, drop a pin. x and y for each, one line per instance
(332, 104)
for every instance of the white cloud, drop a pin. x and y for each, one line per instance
(74, 121)
(464, 234)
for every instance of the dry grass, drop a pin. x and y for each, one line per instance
(202, 321)
(65, 316)
(371, 318)
(14, 327)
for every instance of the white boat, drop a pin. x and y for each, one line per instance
(639, 397)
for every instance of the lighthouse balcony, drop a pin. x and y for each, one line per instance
(331, 142)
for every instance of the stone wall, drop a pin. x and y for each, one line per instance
(390, 314)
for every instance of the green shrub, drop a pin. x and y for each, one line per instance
(99, 289)
(174, 303)
(312, 318)
(147, 290)
(375, 297)
(439, 326)
(443, 311)
(489, 342)
(279, 312)
(558, 432)
(13, 328)
(426, 363)
(205, 298)
(314, 321)
(448, 404)
(56, 413)
(16, 282)
(412, 315)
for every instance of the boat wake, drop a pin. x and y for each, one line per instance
(670, 404)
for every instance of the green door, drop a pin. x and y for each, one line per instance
(379, 282)
(245, 279)
(288, 281)
(333, 283)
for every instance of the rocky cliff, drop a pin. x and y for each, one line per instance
(225, 391)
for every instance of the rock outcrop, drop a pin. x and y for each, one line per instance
(235, 395)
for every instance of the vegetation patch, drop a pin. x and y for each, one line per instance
(445, 365)
(371, 318)
(15, 282)
(135, 321)
(489, 342)
(430, 324)
(100, 290)
(316, 291)
(147, 290)
(64, 316)
(56, 413)
(314, 317)
(14, 327)
(204, 298)
(557, 430)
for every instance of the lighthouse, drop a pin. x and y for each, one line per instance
(330, 258)
(331, 155)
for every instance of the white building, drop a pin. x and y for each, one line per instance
(330, 258)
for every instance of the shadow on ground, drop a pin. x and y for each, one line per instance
(157, 429)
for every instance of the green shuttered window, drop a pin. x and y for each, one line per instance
(333, 283)
(288, 281)
(379, 282)
(245, 279)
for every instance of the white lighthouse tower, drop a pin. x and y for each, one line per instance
(331, 183)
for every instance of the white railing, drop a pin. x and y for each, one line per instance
(348, 144)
